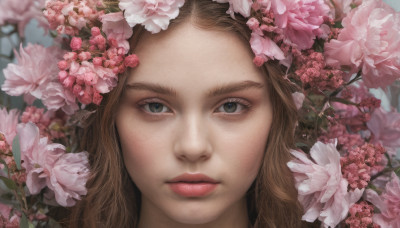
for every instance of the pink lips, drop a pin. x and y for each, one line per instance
(192, 185)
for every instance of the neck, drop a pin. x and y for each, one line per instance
(233, 217)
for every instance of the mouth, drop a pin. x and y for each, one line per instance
(193, 185)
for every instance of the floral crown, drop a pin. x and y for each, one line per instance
(332, 50)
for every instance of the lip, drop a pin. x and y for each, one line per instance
(193, 185)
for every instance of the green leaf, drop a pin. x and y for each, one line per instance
(31, 225)
(16, 152)
(9, 183)
(23, 223)
(5, 169)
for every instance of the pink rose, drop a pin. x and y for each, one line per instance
(115, 27)
(238, 6)
(388, 203)
(369, 41)
(300, 20)
(321, 187)
(36, 66)
(8, 124)
(153, 14)
(386, 127)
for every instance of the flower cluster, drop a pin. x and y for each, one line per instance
(333, 51)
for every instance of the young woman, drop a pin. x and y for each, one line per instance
(195, 136)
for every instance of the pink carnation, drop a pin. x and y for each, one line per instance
(238, 6)
(8, 124)
(55, 96)
(46, 165)
(153, 14)
(36, 66)
(115, 27)
(321, 187)
(385, 126)
(68, 178)
(388, 203)
(300, 20)
(38, 156)
(369, 41)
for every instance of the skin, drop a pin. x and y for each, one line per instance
(195, 104)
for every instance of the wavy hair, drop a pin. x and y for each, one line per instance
(113, 200)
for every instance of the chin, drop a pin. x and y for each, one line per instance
(194, 216)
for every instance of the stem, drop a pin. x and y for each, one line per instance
(386, 170)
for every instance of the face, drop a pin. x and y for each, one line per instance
(193, 124)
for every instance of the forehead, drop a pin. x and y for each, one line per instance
(187, 52)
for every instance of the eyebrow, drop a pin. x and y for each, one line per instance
(230, 88)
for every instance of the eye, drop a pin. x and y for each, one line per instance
(233, 106)
(155, 107)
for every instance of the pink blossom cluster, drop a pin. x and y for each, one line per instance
(92, 66)
(314, 73)
(361, 216)
(388, 203)
(86, 73)
(360, 163)
(8, 219)
(345, 139)
(70, 16)
(357, 112)
(50, 123)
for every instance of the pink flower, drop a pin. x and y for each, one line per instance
(153, 14)
(36, 66)
(104, 79)
(321, 187)
(8, 124)
(115, 27)
(21, 12)
(76, 43)
(238, 6)
(300, 20)
(388, 204)
(68, 178)
(55, 96)
(264, 48)
(369, 41)
(47, 164)
(298, 99)
(361, 215)
(5, 210)
(38, 156)
(385, 126)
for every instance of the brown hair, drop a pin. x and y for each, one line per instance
(114, 201)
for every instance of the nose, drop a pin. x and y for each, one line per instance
(192, 142)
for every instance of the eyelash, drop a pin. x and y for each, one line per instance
(241, 104)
